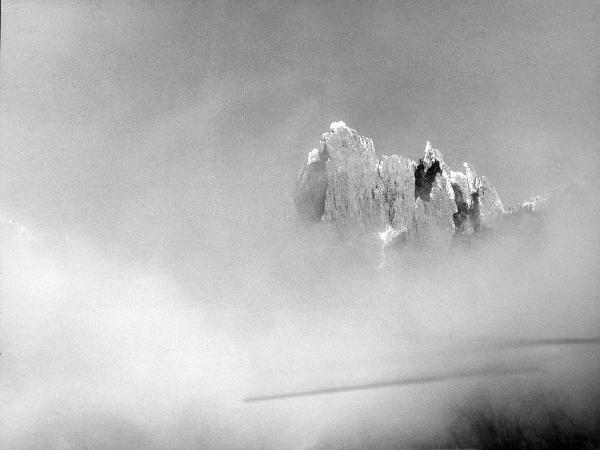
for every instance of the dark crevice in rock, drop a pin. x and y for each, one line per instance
(474, 213)
(424, 179)
(312, 189)
(462, 213)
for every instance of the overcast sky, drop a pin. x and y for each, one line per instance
(120, 113)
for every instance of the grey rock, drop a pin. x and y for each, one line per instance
(423, 204)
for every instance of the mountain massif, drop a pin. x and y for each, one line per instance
(409, 203)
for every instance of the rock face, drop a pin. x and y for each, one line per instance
(422, 203)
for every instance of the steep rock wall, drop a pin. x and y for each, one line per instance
(425, 204)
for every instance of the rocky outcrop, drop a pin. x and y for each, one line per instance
(424, 203)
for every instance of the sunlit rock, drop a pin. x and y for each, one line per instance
(353, 193)
(534, 205)
(478, 204)
(397, 189)
(420, 204)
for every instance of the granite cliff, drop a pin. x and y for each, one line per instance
(420, 204)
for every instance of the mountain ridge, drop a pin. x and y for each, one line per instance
(424, 203)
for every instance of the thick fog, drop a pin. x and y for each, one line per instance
(150, 279)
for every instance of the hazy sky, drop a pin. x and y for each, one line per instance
(117, 115)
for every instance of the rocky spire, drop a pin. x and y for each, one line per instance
(424, 203)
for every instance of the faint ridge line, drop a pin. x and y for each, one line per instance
(486, 372)
(519, 343)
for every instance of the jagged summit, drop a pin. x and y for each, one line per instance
(335, 126)
(422, 202)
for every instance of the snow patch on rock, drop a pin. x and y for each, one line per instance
(336, 126)
(314, 156)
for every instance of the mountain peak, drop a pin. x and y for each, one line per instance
(424, 203)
